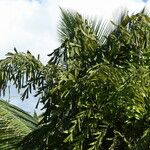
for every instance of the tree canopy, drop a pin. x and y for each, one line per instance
(95, 88)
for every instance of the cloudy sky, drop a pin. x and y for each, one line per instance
(32, 25)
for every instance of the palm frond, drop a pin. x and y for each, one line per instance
(145, 11)
(21, 69)
(69, 22)
(79, 34)
(67, 25)
(14, 125)
(119, 16)
(102, 29)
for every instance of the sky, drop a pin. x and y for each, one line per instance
(32, 25)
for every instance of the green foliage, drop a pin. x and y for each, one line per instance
(95, 88)
(14, 125)
(23, 70)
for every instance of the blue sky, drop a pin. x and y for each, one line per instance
(32, 25)
(145, 0)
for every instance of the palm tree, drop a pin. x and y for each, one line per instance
(14, 125)
(95, 87)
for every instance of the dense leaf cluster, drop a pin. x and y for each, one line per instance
(95, 89)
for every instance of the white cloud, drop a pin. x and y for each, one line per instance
(28, 25)
(102, 7)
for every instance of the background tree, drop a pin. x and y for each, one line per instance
(95, 88)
